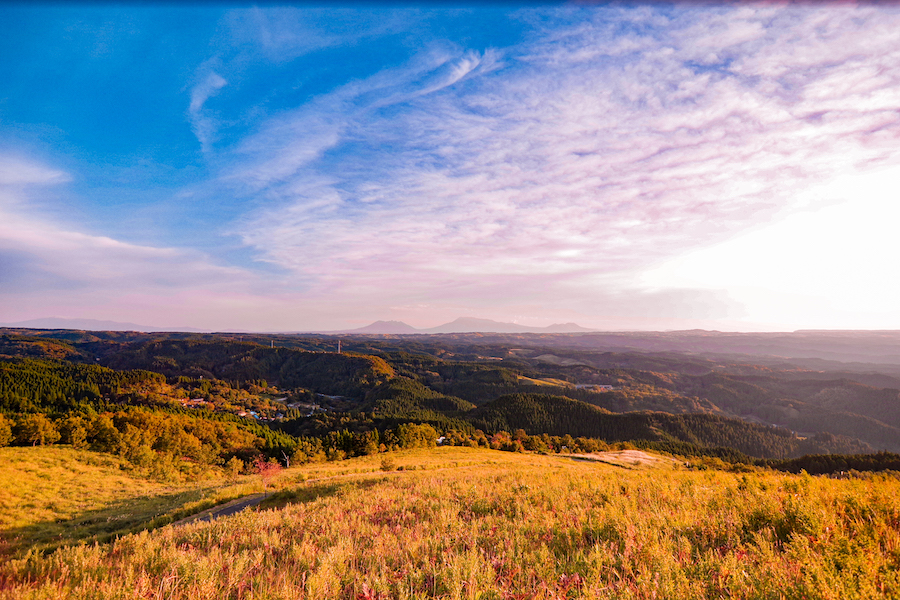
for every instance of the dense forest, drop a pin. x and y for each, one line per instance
(184, 403)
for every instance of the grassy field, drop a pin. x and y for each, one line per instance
(469, 523)
(56, 495)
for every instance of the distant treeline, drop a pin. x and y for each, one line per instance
(820, 464)
(29, 385)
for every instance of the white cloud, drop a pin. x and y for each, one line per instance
(204, 125)
(284, 149)
(281, 34)
(15, 171)
(201, 92)
(596, 153)
(817, 266)
(90, 260)
(56, 266)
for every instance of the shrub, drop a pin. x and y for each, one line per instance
(234, 467)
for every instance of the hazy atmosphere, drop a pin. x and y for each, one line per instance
(298, 169)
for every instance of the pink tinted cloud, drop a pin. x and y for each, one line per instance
(597, 156)
(52, 267)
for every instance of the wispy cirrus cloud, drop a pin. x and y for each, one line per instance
(283, 34)
(15, 171)
(55, 265)
(285, 150)
(254, 50)
(381, 171)
(615, 139)
(203, 124)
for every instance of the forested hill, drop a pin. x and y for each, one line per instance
(326, 372)
(557, 415)
(37, 386)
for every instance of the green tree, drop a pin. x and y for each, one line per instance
(36, 430)
(103, 435)
(73, 430)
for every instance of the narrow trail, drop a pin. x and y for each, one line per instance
(222, 510)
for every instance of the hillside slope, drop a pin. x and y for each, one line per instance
(558, 415)
(566, 529)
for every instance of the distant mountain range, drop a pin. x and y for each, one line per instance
(461, 325)
(386, 327)
(465, 325)
(94, 325)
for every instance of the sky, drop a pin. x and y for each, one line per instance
(621, 166)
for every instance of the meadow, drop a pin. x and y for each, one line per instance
(53, 496)
(478, 523)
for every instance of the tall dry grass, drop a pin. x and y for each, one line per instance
(498, 525)
(58, 495)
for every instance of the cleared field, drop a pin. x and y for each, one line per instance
(468, 523)
(547, 381)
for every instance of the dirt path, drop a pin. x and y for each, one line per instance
(223, 510)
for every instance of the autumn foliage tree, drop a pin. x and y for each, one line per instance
(266, 469)
(6, 435)
(36, 430)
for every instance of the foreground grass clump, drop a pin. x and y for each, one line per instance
(500, 525)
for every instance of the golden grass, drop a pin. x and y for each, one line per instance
(548, 381)
(47, 483)
(629, 459)
(55, 495)
(468, 523)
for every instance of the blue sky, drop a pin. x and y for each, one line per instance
(649, 166)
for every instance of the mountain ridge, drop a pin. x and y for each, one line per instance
(465, 325)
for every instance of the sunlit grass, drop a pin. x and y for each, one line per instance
(468, 523)
(546, 381)
(54, 495)
(45, 483)
(58, 495)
